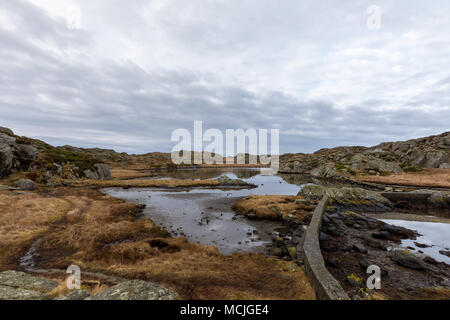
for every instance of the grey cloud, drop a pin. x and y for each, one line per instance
(236, 73)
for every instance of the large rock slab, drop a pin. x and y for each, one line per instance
(350, 198)
(75, 295)
(136, 290)
(330, 171)
(100, 171)
(22, 280)
(408, 260)
(6, 158)
(103, 171)
(11, 293)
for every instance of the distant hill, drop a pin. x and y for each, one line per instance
(385, 158)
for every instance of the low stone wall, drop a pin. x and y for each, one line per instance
(324, 284)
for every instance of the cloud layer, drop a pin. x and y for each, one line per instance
(102, 73)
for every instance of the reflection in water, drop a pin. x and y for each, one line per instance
(240, 173)
(436, 235)
(208, 173)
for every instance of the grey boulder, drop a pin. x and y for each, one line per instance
(25, 184)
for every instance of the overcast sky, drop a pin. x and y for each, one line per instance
(124, 74)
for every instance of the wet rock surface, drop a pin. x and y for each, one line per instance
(351, 242)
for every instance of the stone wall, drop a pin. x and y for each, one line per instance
(324, 284)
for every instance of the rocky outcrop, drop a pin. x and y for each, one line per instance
(15, 154)
(228, 182)
(135, 290)
(407, 259)
(348, 198)
(10, 293)
(6, 131)
(47, 162)
(100, 171)
(15, 285)
(17, 279)
(385, 158)
(330, 171)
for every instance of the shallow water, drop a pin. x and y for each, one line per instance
(273, 184)
(436, 235)
(205, 215)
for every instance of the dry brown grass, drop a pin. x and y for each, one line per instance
(100, 233)
(127, 174)
(291, 208)
(144, 183)
(23, 217)
(425, 178)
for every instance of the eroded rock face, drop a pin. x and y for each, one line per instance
(388, 157)
(103, 171)
(6, 159)
(100, 171)
(349, 198)
(330, 171)
(14, 155)
(136, 290)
